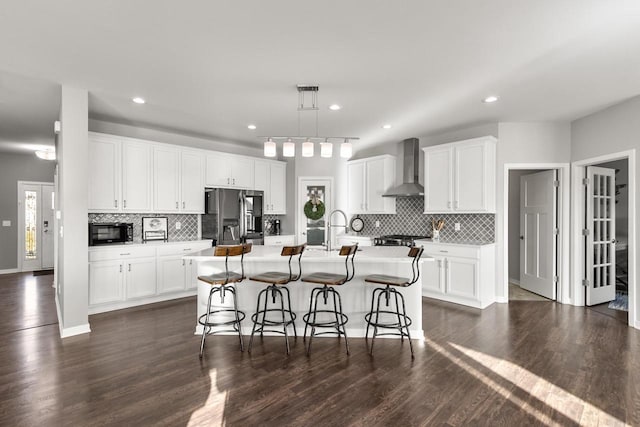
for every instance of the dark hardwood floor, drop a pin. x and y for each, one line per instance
(525, 363)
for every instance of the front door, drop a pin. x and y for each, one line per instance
(36, 232)
(600, 233)
(538, 233)
(315, 195)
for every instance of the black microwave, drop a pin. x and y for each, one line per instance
(110, 232)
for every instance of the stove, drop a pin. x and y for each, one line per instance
(397, 240)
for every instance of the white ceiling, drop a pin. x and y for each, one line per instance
(211, 68)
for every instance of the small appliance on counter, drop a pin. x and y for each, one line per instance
(276, 227)
(110, 233)
(233, 216)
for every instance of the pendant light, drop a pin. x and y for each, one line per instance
(289, 148)
(346, 149)
(326, 148)
(307, 148)
(269, 148)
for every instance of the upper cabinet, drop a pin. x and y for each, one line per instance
(229, 171)
(367, 180)
(460, 177)
(271, 177)
(120, 174)
(177, 180)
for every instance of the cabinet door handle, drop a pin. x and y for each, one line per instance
(188, 249)
(124, 203)
(445, 252)
(449, 205)
(190, 262)
(455, 204)
(115, 203)
(234, 181)
(129, 267)
(128, 253)
(183, 205)
(439, 263)
(183, 263)
(120, 268)
(176, 205)
(228, 180)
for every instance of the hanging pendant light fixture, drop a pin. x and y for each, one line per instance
(346, 149)
(307, 148)
(326, 147)
(269, 148)
(289, 148)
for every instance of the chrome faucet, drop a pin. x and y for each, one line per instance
(346, 227)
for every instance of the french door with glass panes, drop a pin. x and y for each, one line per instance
(35, 222)
(600, 233)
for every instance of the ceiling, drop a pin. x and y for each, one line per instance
(211, 68)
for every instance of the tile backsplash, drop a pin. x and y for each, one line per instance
(410, 219)
(188, 224)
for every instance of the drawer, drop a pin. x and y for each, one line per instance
(123, 252)
(283, 240)
(352, 240)
(182, 248)
(434, 249)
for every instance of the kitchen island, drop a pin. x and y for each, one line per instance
(356, 294)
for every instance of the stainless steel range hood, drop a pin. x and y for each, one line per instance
(410, 184)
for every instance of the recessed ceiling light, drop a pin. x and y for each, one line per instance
(490, 99)
(252, 127)
(334, 107)
(138, 100)
(387, 126)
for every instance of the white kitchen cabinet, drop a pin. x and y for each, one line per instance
(463, 274)
(460, 177)
(129, 275)
(106, 282)
(367, 180)
(120, 174)
(281, 240)
(177, 181)
(104, 173)
(229, 171)
(166, 179)
(271, 177)
(192, 182)
(140, 277)
(136, 176)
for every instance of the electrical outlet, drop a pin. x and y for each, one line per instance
(377, 224)
(178, 225)
(456, 226)
(6, 223)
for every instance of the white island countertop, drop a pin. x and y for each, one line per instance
(377, 254)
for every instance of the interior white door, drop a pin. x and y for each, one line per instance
(313, 232)
(538, 233)
(36, 231)
(600, 262)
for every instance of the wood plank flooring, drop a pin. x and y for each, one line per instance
(525, 363)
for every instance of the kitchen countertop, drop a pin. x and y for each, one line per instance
(453, 242)
(152, 243)
(377, 254)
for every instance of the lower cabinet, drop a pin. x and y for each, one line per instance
(280, 240)
(459, 273)
(131, 275)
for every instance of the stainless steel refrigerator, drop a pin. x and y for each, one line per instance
(233, 216)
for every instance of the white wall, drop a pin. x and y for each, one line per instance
(174, 138)
(610, 131)
(520, 142)
(72, 271)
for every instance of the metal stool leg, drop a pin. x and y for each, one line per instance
(406, 323)
(315, 314)
(295, 333)
(284, 320)
(344, 330)
(313, 291)
(206, 329)
(255, 322)
(237, 324)
(375, 328)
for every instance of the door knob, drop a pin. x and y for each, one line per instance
(521, 237)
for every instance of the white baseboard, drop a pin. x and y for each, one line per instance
(9, 271)
(69, 332)
(514, 281)
(75, 330)
(502, 300)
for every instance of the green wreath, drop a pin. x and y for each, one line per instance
(314, 211)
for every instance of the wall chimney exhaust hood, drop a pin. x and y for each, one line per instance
(410, 186)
